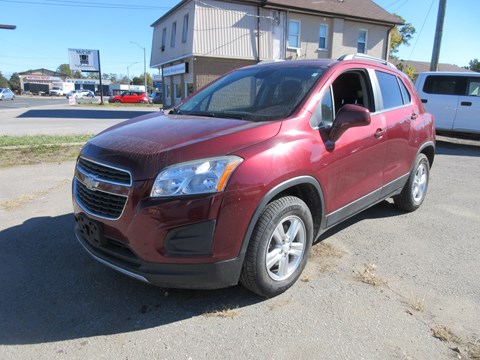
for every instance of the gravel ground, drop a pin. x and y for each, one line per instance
(383, 285)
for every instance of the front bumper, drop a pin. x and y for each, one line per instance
(171, 275)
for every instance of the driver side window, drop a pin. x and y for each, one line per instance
(351, 87)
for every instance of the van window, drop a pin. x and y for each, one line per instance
(391, 94)
(473, 87)
(445, 85)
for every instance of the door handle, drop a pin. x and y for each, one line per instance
(424, 101)
(379, 133)
(466, 103)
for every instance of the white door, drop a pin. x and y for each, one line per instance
(468, 110)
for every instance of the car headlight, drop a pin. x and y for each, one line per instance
(195, 177)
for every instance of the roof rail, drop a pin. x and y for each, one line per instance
(365, 57)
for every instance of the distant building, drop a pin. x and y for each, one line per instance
(422, 66)
(198, 41)
(40, 80)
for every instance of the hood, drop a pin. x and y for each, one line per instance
(147, 144)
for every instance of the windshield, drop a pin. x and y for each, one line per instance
(258, 93)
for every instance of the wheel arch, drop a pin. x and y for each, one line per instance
(429, 150)
(305, 188)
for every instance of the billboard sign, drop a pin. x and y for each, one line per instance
(84, 60)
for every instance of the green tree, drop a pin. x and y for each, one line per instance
(137, 80)
(400, 35)
(15, 82)
(77, 75)
(474, 65)
(149, 80)
(409, 70)
(65, 69)
(3, 81)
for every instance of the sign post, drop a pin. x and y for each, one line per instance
(87, 61)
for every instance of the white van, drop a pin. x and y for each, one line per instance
(453, 98)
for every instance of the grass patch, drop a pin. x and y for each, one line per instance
(223, 314)
(368, 276)
(27, 150)
(115, 105)
(37, 140)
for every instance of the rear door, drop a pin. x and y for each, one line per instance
(395, 105)
(467, 117)
(440, 95)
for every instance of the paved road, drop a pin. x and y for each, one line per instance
(65, 119)
(32, 101)
(58, 303)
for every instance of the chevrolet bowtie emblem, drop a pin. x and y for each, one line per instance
(91, 182)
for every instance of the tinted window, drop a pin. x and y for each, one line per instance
(391, 94)
(445, 85)
(473, 87)
(407, 98)
(257, 93)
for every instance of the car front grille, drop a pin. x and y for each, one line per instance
(103, 172)
(99, 203)
(101, 190)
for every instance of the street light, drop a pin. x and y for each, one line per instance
(144, 64)
(128, 73)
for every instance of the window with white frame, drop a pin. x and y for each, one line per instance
(294, 34)
(362, 41)
(185, 29)
(323, 37)
(164, 39)
(174, 34)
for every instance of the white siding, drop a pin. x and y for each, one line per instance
(225, 30)
(180, 49)
(376, 39)
(309, 36)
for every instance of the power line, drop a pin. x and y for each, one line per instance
(88, 5)
(421, 29)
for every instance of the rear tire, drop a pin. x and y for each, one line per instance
(279, 247)
(415, 189)
(117, 101)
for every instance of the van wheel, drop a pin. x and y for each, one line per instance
(415, 189)
(279, 247)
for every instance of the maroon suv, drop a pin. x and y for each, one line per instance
(235, 183)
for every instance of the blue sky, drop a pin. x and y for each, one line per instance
(47, 28)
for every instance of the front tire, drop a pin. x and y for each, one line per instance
(415, 189)
(279, 247)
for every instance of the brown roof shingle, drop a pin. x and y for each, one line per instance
(363, 9)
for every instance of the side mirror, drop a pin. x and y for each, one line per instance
(347, 117)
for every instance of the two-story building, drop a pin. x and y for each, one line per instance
(199, 40)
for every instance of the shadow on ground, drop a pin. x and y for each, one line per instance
(448, 147)
(52, 290)
(84, 114)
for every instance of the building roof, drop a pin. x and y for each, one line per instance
(357, 9)
(43, 72)
(422, 66)
(363, 9)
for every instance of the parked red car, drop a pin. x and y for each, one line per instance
(129, 97)
(236, 183)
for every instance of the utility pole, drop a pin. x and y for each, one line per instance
(438, 35)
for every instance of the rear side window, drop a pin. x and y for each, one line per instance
(445, 85)
(407, 98)
(390, 89)
(473, 87)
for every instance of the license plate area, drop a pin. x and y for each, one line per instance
(91, 230)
